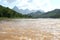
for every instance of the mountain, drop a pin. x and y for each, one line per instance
(26, 11)
(39, 14)
(36, 13)
(16, 9)
(9, 13)
(51, 14)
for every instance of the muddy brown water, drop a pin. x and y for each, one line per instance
(30, 29)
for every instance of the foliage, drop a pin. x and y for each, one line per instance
(9, 13)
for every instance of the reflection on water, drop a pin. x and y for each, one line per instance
(30, 29)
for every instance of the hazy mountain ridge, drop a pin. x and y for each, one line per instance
(10, 13)
(36, 14)
(41, 14)
(51, 14)
(26, 11)
(33, 13)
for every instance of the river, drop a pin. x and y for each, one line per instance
(30, 29)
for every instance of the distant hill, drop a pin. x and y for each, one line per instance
(51, 14)
(9, 13)
(36, 14)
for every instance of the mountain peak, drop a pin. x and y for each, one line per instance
(21, 10)
(15, 7)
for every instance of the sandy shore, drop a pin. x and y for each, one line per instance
(30, 29)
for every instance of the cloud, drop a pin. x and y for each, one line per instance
(7, 4)
(30, 0)
(30, 4)
(35, 4)
(10, 1)
(3, 2)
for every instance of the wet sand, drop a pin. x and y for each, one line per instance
(30, 29)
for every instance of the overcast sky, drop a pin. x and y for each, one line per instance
(45, 5)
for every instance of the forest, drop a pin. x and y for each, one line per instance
(9, 13)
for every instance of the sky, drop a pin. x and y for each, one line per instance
(46, 5)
